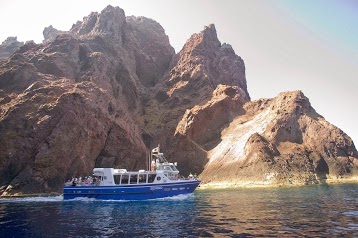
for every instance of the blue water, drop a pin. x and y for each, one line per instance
(312, 211)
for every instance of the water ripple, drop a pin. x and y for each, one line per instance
(313, 211)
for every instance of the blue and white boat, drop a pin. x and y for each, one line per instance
(163, 180)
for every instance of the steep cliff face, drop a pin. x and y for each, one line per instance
(196, 76)
(75, 102)
(112, 87)
(201, 123)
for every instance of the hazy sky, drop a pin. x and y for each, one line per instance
(286, 44)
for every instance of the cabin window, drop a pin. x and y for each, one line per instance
(125, 178)
(151, 178)
(134, 178)
(117, 179)
(142, 178)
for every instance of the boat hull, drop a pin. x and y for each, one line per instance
(130, 191)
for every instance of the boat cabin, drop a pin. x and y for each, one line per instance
(159, 171)
(109, 176)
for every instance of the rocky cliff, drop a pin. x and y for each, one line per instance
(280, 141)
(76, 101)
(111, 87)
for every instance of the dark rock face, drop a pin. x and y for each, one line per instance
(9, 46)
(200, 123)
(112, 87)
(151, 62)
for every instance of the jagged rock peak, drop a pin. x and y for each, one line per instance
(9, 46)
(209, 35)
(296, 94)
(292, 101)
(10, 40)
(205, 39)
(107, 23)
(50, 33)
(203, 59)
(147, 28)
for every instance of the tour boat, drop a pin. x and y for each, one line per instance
(161, 180)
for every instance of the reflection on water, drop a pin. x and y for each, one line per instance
(307, 211)
(314, 211)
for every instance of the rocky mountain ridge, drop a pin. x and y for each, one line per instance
(109, 89)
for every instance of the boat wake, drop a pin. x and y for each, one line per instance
(32, 199)
(84, 199)
(60, 199)
(175, 198)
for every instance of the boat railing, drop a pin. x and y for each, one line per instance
(86, 181)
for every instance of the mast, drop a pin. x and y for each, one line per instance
(146, 160)
(149, 159)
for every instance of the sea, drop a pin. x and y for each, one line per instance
(309, 211)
